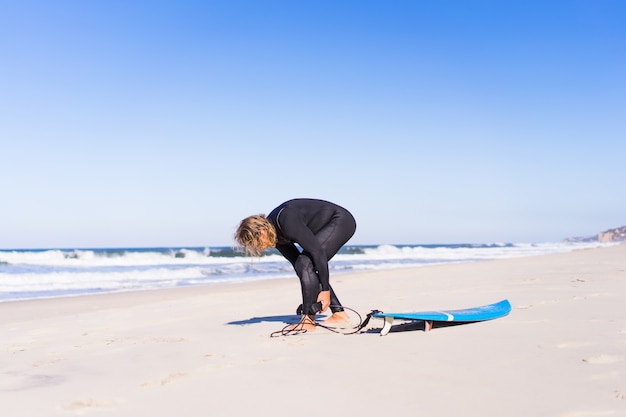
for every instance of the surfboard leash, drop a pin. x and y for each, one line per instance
(299, 328)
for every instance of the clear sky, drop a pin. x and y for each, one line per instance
(163, 123)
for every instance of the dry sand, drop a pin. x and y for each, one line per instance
(207, 351)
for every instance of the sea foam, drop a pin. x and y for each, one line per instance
(27, 274)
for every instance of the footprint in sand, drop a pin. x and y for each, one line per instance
(217, 362)
(45, 362)
(90, 404)
(603, 359)
(164, 381)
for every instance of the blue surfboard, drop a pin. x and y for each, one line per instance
(472, 314)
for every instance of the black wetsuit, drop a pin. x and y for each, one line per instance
(320, 228)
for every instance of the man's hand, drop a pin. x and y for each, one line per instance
(324, 297)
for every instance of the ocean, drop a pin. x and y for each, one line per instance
(48, 273)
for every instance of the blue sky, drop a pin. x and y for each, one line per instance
(163, 123)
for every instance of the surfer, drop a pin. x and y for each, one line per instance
(320, 228)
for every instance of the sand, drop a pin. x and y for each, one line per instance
(207, 351)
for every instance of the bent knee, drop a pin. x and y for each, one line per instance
(303, 264)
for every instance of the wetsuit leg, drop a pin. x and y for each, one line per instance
(332, 237)
(336, 233)
(309, 283)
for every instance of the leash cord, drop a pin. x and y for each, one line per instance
(291, 330)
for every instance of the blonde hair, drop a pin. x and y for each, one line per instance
(255, 233)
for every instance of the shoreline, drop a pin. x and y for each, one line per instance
(203, 287)
(193, 350)
(51, 274)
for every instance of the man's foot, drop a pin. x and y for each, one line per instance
(306, 324)
(337, 319)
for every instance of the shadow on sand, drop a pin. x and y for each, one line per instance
(288, 319)
(417, 325)
(401, 327)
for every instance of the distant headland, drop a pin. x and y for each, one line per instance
(612, 235)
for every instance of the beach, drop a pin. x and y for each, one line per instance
(207, 350)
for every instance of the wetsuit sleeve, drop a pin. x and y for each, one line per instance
(290, 252)
(295, 229)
